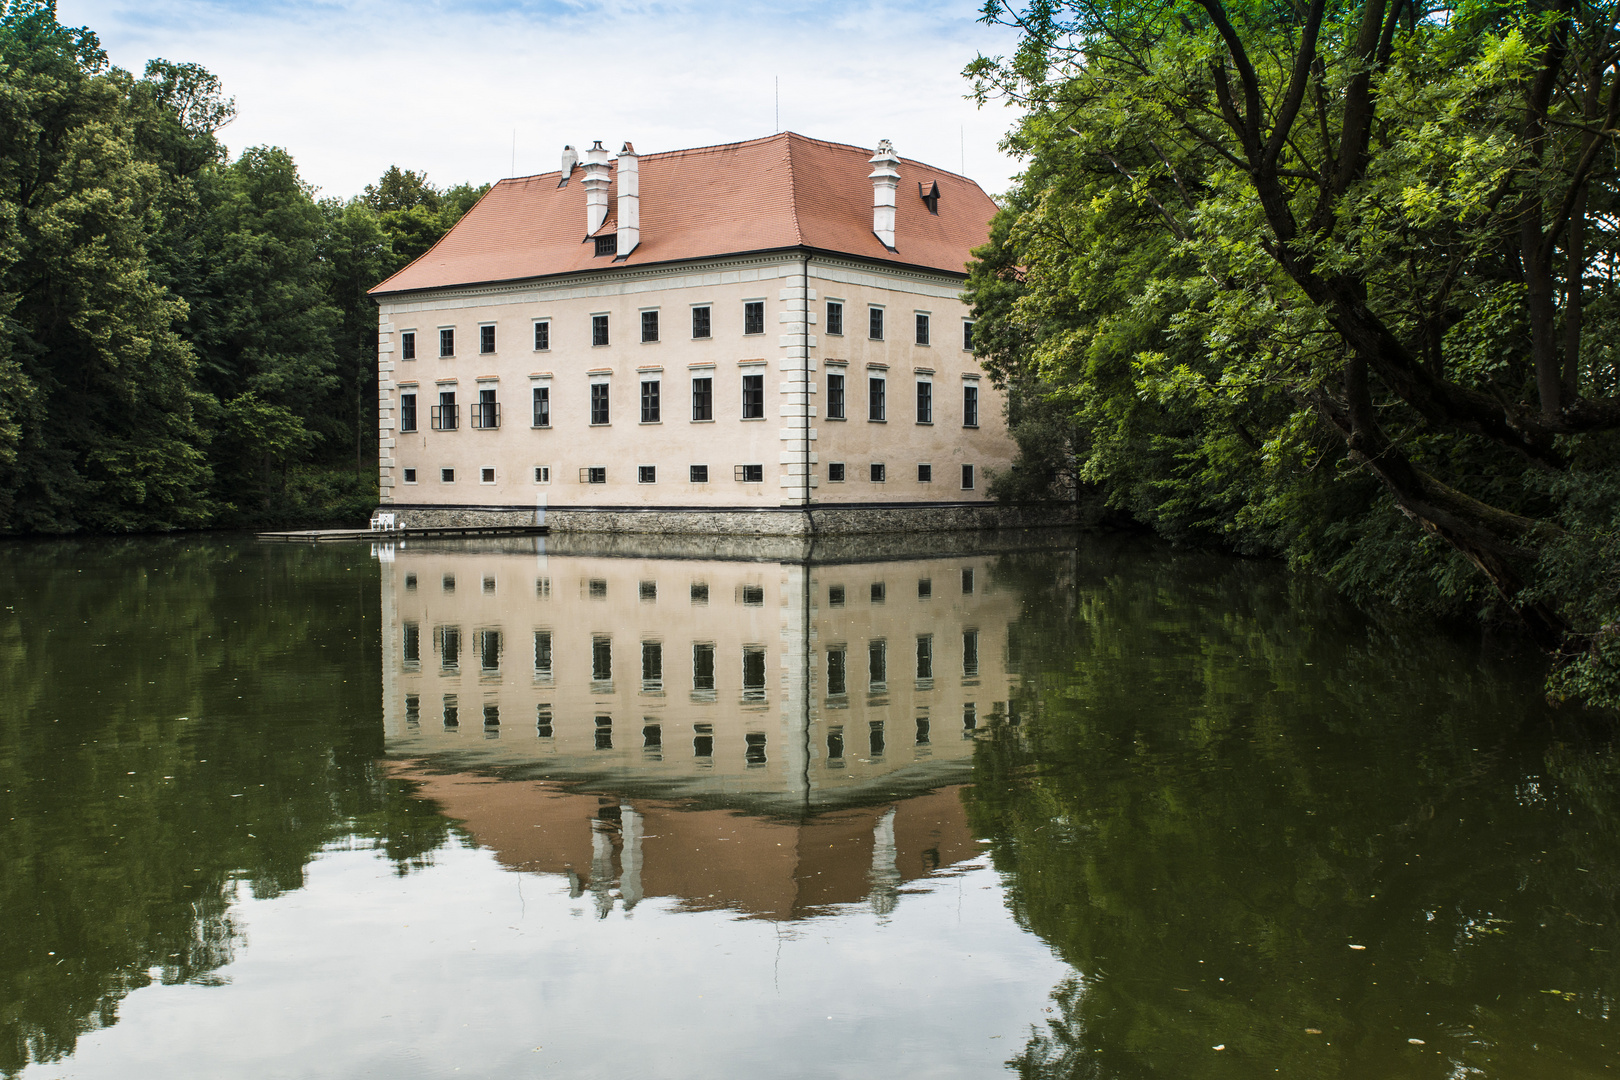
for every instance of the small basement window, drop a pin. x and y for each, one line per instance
(447, 476)
(486, 475)
(594, 474)
(646, 474)
(410, 476)
(835, 472)
(698, 474)
(751, 474)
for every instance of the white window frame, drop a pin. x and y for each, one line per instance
(411, 330)
(447, 469)
(690, 327)
(490, 469)
(641, 328)
(534, 333)
(452, 353)
(494, 339)
(843, 316)
(929, 315)
(542, 474)
(763, 329)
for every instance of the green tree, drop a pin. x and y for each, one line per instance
(98, 421)
(1331, 280)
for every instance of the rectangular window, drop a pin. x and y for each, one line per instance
(542, 406)
(703, 666)
(599, 329)
(412, 644)
(874, 729)
(407, 412)
(447, 341)
(701, 327)
(925, 402)
(703, 737)
(967, 581)
(753, 397)
(751, 474)
(751, 595)
(449, 646)
(445, 413)
(922, 730)
(607, 245)
(754, 317)
(925, 656)
(835, 472)
(599, 403)
(652, 735)
(542, 721)
(925, 474)
(835, 596)
(876, 405)
(542, 336)
(652, 667)
(489, 650)
(542, 588)
(835, 317)
(835, 747)
(835, 396)
(925, 588)
(593, 474)
(650, 413)
(604, 724)
(837, 671)
(700, 593)
(486, 475)
(601, 658)
(407, 345)
(542, 474)
(703, 398)
(486, 339)
(970, 654)
(922, 328)
(753, 674)
(698, 474)
(487, 413)
(878, 592)
(970, 405)
(879, 472)
(649, 326)
(410, 476)
(967, 335)
(648, 591)
(646, 474)
(596, 588)
(874, 323)
(967, 478)
(877, 666)
(447, 476)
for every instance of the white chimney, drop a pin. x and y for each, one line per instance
(885, 182)
(629, 200)
(570, 158)
(598, 177)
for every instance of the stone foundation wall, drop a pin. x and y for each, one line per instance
(828, 521)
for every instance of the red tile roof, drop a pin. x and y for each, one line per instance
(784, 191)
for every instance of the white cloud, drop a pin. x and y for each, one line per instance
(355, 86)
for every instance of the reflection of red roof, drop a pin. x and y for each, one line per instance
(785, 191)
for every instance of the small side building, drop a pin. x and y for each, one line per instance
(762, 337)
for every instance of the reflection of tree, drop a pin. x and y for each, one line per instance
(1218, 783)
(180, 719)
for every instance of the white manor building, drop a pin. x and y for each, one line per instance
(762, 337)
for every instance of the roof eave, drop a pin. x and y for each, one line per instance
(378, 292)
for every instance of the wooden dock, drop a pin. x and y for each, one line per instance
(317, 536)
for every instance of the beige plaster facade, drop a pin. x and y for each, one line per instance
(794, 444)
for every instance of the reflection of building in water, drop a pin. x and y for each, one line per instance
(803, 689)
(779, 684)
(616, 850)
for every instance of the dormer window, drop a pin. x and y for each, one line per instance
(607, 245)
(930, 194)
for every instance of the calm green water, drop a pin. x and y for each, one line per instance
(1045, 806)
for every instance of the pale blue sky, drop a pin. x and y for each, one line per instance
(353, 86)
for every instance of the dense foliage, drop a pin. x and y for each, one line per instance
(185, 339)
(1331, 280)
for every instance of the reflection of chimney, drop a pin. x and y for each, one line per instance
(885, 181)
(629, 200)
(598, 175)
(570, 158)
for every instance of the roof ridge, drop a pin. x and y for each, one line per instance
(793, 184)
